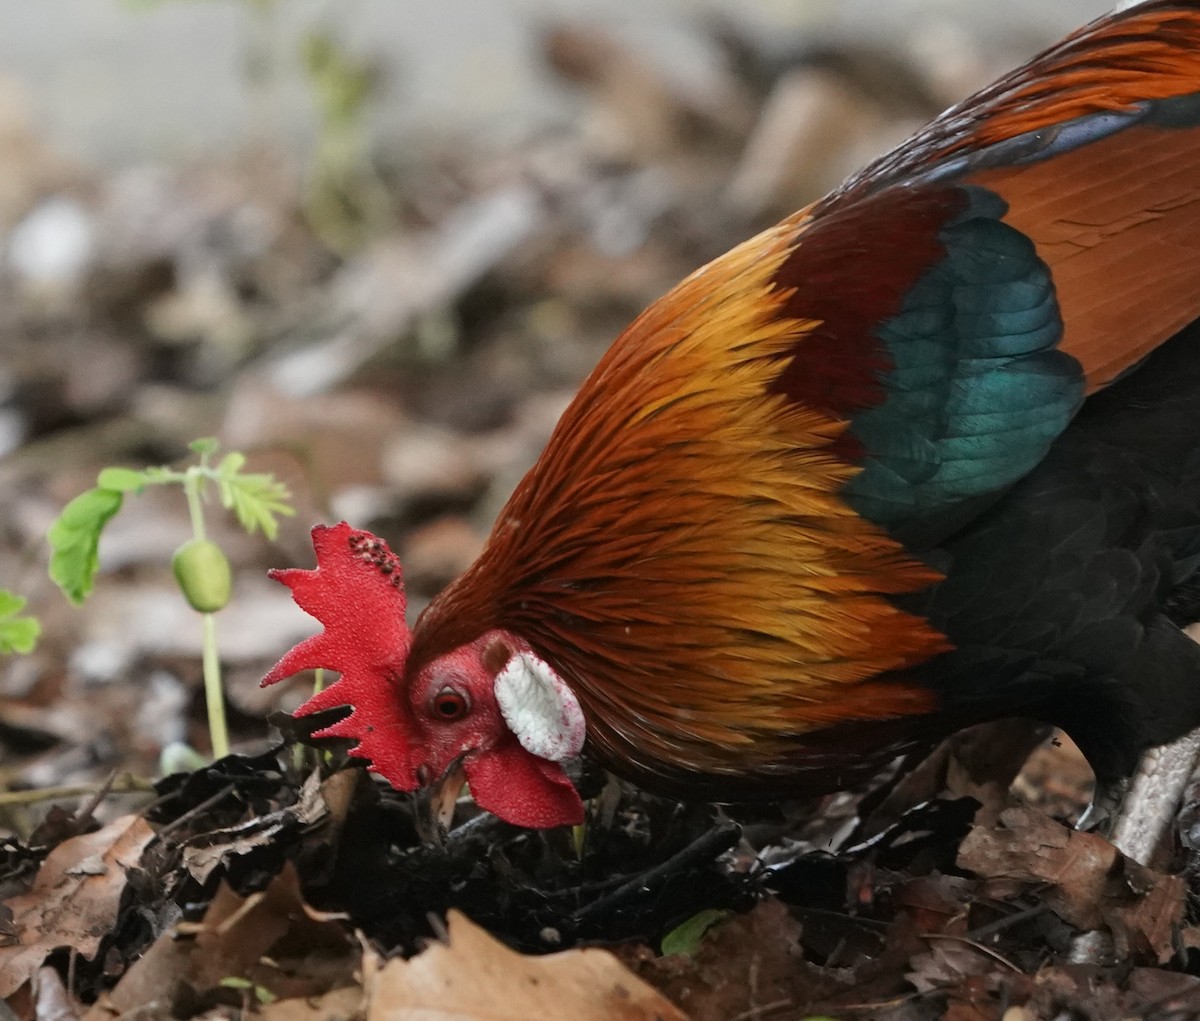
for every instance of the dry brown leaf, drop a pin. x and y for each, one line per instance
(947, 965)
(336, 1005)
(476, 977)
(237, 933)
(1169, 991)
(54, 1003)
(979, 762)
(1091, 884)
(744, 966)
(936, 903)
(213, 850)
(74, 898)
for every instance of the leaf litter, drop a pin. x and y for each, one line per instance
(287, 883)
(73, 900)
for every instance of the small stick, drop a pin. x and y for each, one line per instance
(195, 810)
(126, 784)
(716, 841)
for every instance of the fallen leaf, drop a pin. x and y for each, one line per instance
(937, 903)
(54, 1003)
(746, 967)
(207, 852)
(271, 939)
(336, 1005)
(477, 977)
(1166, 991)
(687, 937)
(1091, 885)
(73, 900)
(947, 965)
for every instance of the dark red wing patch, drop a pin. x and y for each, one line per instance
(851, 271)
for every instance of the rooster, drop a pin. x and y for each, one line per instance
(924, 454)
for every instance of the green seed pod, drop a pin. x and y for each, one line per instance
(203, 573)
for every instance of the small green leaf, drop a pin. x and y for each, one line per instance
(261, 993)
(17, 634)
(231, 464)
(122, 480)
(75, 540)
(257, 500)
(204, 445)
(178, 757)
(686, 938)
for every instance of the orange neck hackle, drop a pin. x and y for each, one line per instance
(680, 553)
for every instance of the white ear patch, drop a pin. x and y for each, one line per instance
(539, 708)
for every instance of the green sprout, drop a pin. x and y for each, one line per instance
(17, 633)
(346, 200)
(200, 566)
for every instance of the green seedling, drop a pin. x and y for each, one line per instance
(17, 633)
(200, 566)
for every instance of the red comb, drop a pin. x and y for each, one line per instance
(356, 592)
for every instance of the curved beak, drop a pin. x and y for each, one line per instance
(436, 801)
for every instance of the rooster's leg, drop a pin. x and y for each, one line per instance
(1150, 805)
(1155, 792)
(1154, 797)
(1143, 808)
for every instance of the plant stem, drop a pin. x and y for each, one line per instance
(127, 784)
(191, 489)
(298, 750)
(214, 695)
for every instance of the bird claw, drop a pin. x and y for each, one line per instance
(1104, 809)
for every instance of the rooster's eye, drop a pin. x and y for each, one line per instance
(450, 704)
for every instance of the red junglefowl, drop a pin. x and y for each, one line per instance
(923, 454)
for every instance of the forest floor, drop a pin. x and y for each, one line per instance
(393, 339)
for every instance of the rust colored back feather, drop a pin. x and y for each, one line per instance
(1114, 65)
(1114, 207)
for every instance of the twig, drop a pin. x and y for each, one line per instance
(992, 928)
(895, 1001)
(716, 841)
(965, 941)
(126, 784)
(479, 827)
(87, 811)
(756, 1012)
(195, 810)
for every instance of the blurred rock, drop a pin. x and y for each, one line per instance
(99, 373)
(51, 249)
(29, 167)
(432, 464)
(151, 620)
(338, 436)
(638, 114)
(381, 294)
(101, 661)
(161, 716)
(437, 553)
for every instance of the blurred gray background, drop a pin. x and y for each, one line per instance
(112, 81)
